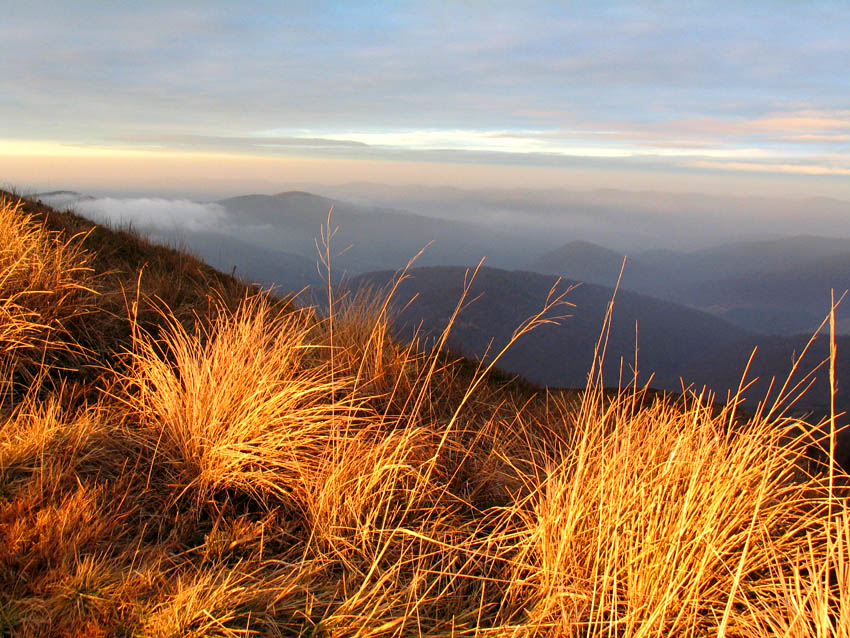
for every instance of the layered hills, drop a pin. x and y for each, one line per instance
(769, 286)
(660, 334)
(780, 286)
(673, 347)
(366, 238)
(697, 317)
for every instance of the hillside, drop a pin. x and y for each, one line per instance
(770, 366)
(287, 272)
(184, 455)
(368, 238)
(557, 355)
(588, 262)
(786, 300)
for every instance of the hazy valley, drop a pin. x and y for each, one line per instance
(693, 310)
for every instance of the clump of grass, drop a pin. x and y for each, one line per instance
(212, 603)
(359, 331)
(45, 283)
(810, 592)
(240, 405)
(659, 521)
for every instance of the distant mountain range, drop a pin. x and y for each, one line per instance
(779, 286)
(677, 347)
(698, 314)
(770, 286)
(368, 238)
(272, 239)
(627, 221)
(667, 334)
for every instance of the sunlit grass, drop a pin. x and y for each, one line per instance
(45, 282)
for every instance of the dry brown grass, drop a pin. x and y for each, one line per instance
(235, 406)
(46, 284)
(256, 469)
(660, 521)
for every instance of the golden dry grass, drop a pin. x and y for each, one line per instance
(46, 284)
(255, 469)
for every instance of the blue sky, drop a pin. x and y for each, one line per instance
(696, 95)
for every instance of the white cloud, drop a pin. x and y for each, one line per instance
(166, 215)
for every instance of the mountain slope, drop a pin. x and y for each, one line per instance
(680, 346)
(787, 301)
(585, 261)
(773, 357)
(561, 355)
(367, 238)
(286, 272)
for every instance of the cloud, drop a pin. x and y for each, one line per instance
(237, 143)
(207, 69)
(805, 121)
(167, 216)
(534, 83)
(760, 167)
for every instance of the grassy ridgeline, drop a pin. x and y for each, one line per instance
(181, 455)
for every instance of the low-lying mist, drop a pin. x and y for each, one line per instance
(146, 214)
(629, 221)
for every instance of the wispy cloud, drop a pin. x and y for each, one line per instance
(717, 81)
(774, 135)
(757, 167)
(805, 121)
(234, 143)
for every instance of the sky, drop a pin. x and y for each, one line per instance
(222, 97)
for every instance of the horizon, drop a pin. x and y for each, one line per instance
(328, 190)
(625, 220)
(729, 100)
